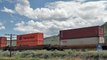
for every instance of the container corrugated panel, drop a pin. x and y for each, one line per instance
(40, 36)
(32, 36)
(27, 44)
(30, 43)
(40, 42)
(3, 45)
(81, 32)
(101, 31)
(81, 41)
(27, 37)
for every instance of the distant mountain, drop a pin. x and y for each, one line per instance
(51, 37)
(53, 40)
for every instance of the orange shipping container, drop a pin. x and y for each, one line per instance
(32, 39)
(32, 36)
(30, 43)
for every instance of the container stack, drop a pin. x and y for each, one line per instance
(87, 37)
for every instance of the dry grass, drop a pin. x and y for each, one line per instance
(54, 55)
(78, 58)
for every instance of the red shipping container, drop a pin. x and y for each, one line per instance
(30, 39)
(3, 42)
(40, 42)
(94, 31)
(32, 36)
(3, 45)
(40, 36)
(28, 43)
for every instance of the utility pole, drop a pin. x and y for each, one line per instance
(11, 36)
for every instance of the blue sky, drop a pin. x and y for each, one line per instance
(50, 16)
(9, 20)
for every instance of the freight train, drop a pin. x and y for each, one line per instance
(80, 38)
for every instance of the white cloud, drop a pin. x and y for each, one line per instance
(11, 21)
(32, 26)
(51, 27)
(8, 10)
(1, 26)
(60, 10)
(61, 15)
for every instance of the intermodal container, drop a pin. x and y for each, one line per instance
(3, 42)
(94, 31)
(32, 36)
(32, 39)
(82, 42)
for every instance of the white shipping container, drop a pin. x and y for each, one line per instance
(82, 41)
(13, 42)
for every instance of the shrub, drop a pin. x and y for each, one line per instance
(44, 54)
